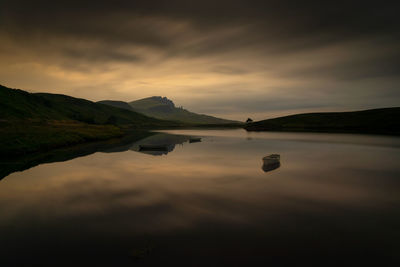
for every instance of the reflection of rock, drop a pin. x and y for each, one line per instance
(159, 144)
(271, 162)
(271, 166)
(152, 148)
(194, 140)
(156, 150)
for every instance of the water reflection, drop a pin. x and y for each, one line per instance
(195, 140)
(208, 203)
(266, 167)
(10, 165)
(152, 143)
(159, 143)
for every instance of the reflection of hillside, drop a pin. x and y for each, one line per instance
(10, 165)
(159, 144)
(152, 143)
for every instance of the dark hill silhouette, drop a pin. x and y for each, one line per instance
(117, 104)
(31, 122)
(383, 120)
(17, 104)
(165, 109)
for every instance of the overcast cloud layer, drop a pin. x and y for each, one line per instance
(234, 59)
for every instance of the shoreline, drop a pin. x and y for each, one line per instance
(24, 137)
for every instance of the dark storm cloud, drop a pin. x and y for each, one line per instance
(280, 54)
(379, 65)
(100, 54)
(287, 25)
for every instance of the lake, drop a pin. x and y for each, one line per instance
(169, 198)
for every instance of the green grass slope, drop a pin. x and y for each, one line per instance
(39, 122)
(163, 108)
(117, 104)
(384, 120)
(26, 137)
(17, 104)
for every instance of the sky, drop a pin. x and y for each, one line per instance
(232, 59)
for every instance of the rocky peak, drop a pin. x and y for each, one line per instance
(163, 100)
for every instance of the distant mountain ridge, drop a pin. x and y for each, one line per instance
(163, 108)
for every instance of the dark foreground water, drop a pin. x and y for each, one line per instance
(334, 201)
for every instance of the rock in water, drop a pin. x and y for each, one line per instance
(271, 162)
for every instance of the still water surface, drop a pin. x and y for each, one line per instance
(334, 200)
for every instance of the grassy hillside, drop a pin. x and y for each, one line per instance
(117, 104)
(163, 108)
(36, 122)
(385, 121)
(28, 137)
(20, 105)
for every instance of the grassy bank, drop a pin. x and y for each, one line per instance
(22, 137)
(31, 122)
